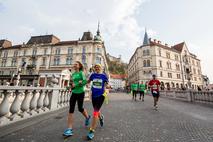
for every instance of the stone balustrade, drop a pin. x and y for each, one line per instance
(191, 96)
(18, 103)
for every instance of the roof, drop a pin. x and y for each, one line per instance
(13, 47)
(152, 43)
(67, 42)
(118, 76)
(43, 39)
(87, 36)
(5, 43)
(179, 46)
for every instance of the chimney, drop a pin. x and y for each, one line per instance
(166, 44)
(155, 40)
(159, 42)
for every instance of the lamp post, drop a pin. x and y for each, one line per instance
(18, 76)
(188, 73)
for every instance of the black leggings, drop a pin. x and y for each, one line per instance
(141, 94)
(134, 93)
(76, 98)
(97, 102)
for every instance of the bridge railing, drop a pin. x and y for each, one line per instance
(19, 103)
(189, 95)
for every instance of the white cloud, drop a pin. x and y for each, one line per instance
(68, 19)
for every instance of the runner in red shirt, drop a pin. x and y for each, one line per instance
(154, 85)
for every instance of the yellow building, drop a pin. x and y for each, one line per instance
(44, 56)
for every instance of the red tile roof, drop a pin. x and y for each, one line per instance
(152, 43)
(179, 46)
(118, 76)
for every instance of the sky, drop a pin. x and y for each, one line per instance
(122, 23)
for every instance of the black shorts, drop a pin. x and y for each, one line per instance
(97, 102)
(77, 98)
(157, 95)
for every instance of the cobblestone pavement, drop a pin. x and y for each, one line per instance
(129, 121)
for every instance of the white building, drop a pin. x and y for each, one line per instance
(174, 66)
(117, 81)
(43, 56)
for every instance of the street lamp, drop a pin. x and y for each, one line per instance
(188, 73)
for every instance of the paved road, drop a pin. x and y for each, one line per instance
(129, 121)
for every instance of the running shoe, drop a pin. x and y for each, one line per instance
(101, 119)
(68, 132)
(90, 135)
(87, 121)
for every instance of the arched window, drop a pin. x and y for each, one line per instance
(148, 63)
(147, 52)
(144, 63)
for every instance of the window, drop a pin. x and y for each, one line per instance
(57, 51)
(69, 61)
(177, 67)
(70, 51)
(15, 53)
(161, 74)
(23, 62)
(98, 50)
(178, 76)
(3, 63)
(169, 75)
(44, 61)
(176, 57)
(5, 54)
(13, 63)
(25, 52)
(195, 78)
(168, 55)
(84, 59)
(148, 63)
(45, 51)
(146, 52)
(194, 70)
(56, 61)
(84, 50)
(160, 62)
(144, 63)
(98, 60)
(159, 52)
(169, 66)
(193, 62)
(34, 51)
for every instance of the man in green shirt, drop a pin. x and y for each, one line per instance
(142, 89)
(134, 89)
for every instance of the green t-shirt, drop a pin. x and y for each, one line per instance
(134, 87)
(79, 87)
(142, 87)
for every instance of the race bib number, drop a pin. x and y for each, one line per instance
(97, 83)
(155, 86)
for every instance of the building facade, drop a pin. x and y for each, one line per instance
(117, 81)
(44, 56)
(175, 67)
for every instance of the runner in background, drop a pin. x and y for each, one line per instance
(154, 86)
(142, 89)
(134, 89)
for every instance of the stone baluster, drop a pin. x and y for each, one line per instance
(59, 98)
(62, 98)
(65, 97)
(4, 108)
(25, 106)
(68, 97)
(40, 101)
(46, 100)
(33, 102)
(15, 107)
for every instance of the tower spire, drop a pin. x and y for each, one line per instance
(146, 39)
(98, 31)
